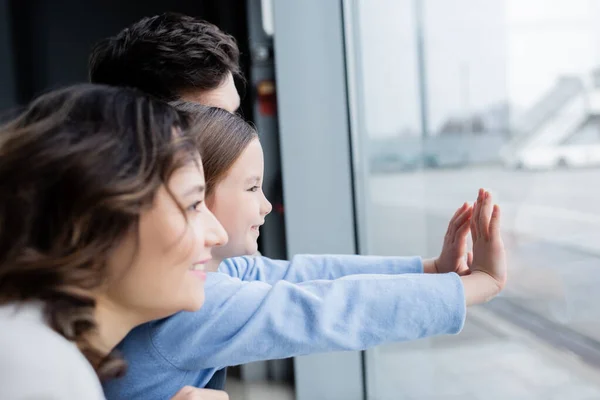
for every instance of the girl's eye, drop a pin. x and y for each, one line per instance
(196, 207)
(254, 188)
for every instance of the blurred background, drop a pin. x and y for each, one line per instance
(378, 119)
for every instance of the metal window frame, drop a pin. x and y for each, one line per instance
(319, 184)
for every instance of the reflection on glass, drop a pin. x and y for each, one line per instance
(504, 95)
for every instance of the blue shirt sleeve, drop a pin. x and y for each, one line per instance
(249, 321)
(306, 267)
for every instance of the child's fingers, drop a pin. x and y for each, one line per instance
(469, 259)
(495, 222)
(475, 218)
(459, 211)
(463, 230)
(460, 221)
(452, 222)
(473, 227)
(486, 215)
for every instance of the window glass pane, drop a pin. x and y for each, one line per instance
(454, 95)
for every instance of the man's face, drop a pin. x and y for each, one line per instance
(225, 96)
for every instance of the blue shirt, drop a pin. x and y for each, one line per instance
(262, 309)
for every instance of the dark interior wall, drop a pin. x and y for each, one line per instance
(7, 89)
(50, 40)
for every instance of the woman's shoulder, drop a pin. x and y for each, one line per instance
(25, 334)
(34, 359)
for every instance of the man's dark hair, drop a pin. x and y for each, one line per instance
(166, 55)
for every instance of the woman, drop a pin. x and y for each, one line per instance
(103, 226)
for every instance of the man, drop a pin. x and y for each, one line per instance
(172, 57)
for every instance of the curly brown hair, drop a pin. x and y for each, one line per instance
(166, 55)
(77, 168)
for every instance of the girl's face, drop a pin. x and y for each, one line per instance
(239, 203)
(158, 269)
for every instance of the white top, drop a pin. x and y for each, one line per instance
(38, 363)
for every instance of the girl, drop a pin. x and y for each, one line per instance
(260, 309)
(103, 227)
